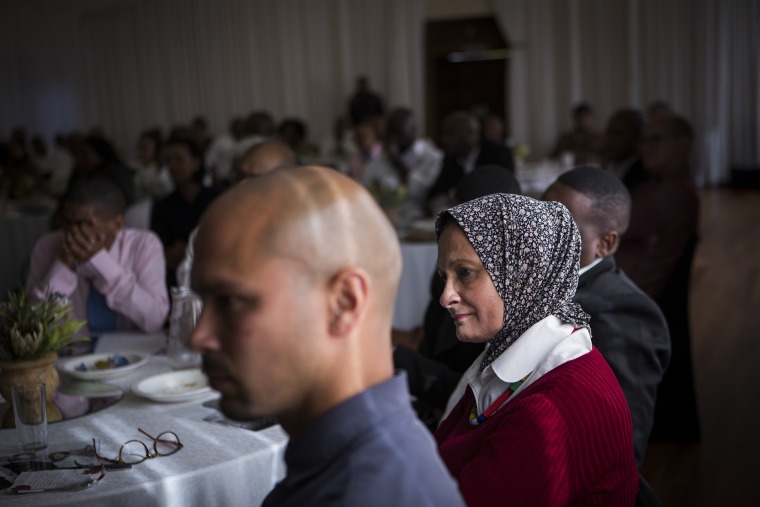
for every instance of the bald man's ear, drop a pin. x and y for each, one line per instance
(608, 243)
(348, 294)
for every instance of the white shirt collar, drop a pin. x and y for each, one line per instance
(589, 266)
(468, 163)
(544, 346)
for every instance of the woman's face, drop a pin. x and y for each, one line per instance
(182, 165)
(469, 295)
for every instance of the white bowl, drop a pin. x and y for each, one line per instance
(92, 373)
(174, 387)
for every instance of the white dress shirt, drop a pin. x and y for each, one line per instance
(544, 346)
(423, 160)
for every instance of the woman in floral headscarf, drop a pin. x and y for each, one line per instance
(540, 418)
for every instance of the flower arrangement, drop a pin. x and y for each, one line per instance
(33, 329)
(521, 151)
(387, 197)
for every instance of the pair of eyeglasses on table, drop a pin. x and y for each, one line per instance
(131, 453)
(135, 451)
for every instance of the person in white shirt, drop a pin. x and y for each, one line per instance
(409, 161)
(61, 164)
(152, 179)
(221, 153)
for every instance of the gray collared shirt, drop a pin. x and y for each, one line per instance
(370, 450)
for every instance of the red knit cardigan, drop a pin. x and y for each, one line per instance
(565, 440)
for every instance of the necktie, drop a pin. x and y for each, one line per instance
(100, 317)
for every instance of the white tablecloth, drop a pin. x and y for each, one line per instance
(218, 465)
(414, 289)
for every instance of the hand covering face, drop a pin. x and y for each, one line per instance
(531, 250)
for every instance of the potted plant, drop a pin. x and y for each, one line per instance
(389, 198)
(31, 335)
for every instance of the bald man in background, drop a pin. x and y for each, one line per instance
(298, 272)
(263, 158)
(257, 160)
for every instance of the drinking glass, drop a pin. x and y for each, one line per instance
(186, 308)
(30, 412)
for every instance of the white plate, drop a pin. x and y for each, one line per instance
(423, 224)
(173, 387)
(92, 373)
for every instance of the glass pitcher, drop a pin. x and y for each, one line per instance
(186, 308)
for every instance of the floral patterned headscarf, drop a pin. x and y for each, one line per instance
(531, 249)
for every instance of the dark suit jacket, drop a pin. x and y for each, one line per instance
(452, 172)
(630, 331)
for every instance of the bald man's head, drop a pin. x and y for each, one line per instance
(312, 215)
(298, 272)
(263, 158)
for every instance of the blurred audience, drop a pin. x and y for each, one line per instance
(583, 144)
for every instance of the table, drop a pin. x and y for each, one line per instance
(218, 465)
(419, 260)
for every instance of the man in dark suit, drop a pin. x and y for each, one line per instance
(465, 150)
(627, 325)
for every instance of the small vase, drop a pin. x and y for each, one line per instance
(41, 370)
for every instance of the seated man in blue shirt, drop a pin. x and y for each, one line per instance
(298, 271)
